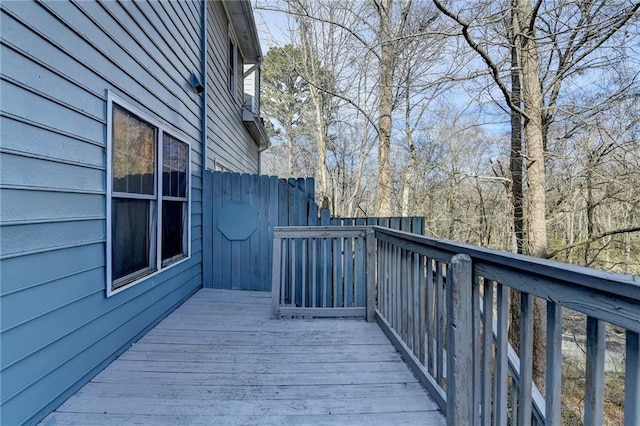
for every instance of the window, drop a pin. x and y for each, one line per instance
(234, 67)
(240, 71)
(175, 160)
(148, 197)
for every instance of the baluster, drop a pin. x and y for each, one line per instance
(314, 272)
(422, 307)
(350, 276)
(526, 358)
(401, 309)
(476, 321)
(440, 324)
(594, 385)
(632, 379)
(383, 297)
(553, 396)
(398, 295)
(325, 272)
(335, 278)
(285, 274)
(305, 280)
(408, 298)
(415, 278)
(406, 291)
(399, 290)
(501, 388)
(292, 289)
(389, 282)
(487, 349)
(514, 401)
(387, 278)
(429, 303)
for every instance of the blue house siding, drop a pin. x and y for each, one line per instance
(230, 146)
(59, 59)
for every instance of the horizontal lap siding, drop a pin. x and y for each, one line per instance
(58, 61)
(229, 143)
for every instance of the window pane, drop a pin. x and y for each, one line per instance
(239, 79)
(133, 154)
(173, 229)
(130, 236)
(174, 167)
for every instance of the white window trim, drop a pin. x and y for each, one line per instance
(234, 84)
(115, 99)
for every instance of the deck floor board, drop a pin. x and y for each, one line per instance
(219, 360)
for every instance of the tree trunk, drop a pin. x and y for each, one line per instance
(536, 195)
(409, 172)
(533, 107)
(321, 143)
(387, 64)
(591, 206)
(319, 100)
(517, 193)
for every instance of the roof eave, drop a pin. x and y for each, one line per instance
(244, 25)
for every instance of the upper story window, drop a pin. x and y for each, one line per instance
(147, 197)
(231, 65)
(234, 67)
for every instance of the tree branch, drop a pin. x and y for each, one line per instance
(592, 239)
(493, 68)
(305, 14)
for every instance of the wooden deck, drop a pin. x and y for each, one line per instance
(219, 360)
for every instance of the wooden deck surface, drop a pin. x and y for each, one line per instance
(219, 360)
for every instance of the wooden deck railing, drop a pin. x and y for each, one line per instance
(323, 271)
(446, 308)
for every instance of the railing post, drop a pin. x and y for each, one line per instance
(371, 274)
(276, 278)
(460, 341)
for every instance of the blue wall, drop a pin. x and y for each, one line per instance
(58, 61)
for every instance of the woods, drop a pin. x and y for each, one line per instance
(508, 124)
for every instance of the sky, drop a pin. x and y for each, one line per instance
(272, 29)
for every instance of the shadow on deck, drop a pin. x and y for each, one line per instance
(219, 360)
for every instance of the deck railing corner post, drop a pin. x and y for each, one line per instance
(460, 374)
(371, 274)
(632, 379)
(276, 276)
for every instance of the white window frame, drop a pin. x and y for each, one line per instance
(156, 221)
(236, 87)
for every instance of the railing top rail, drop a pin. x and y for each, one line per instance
(606, 282)
(318, 231)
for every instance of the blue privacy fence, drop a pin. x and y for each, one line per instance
(240, 212)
